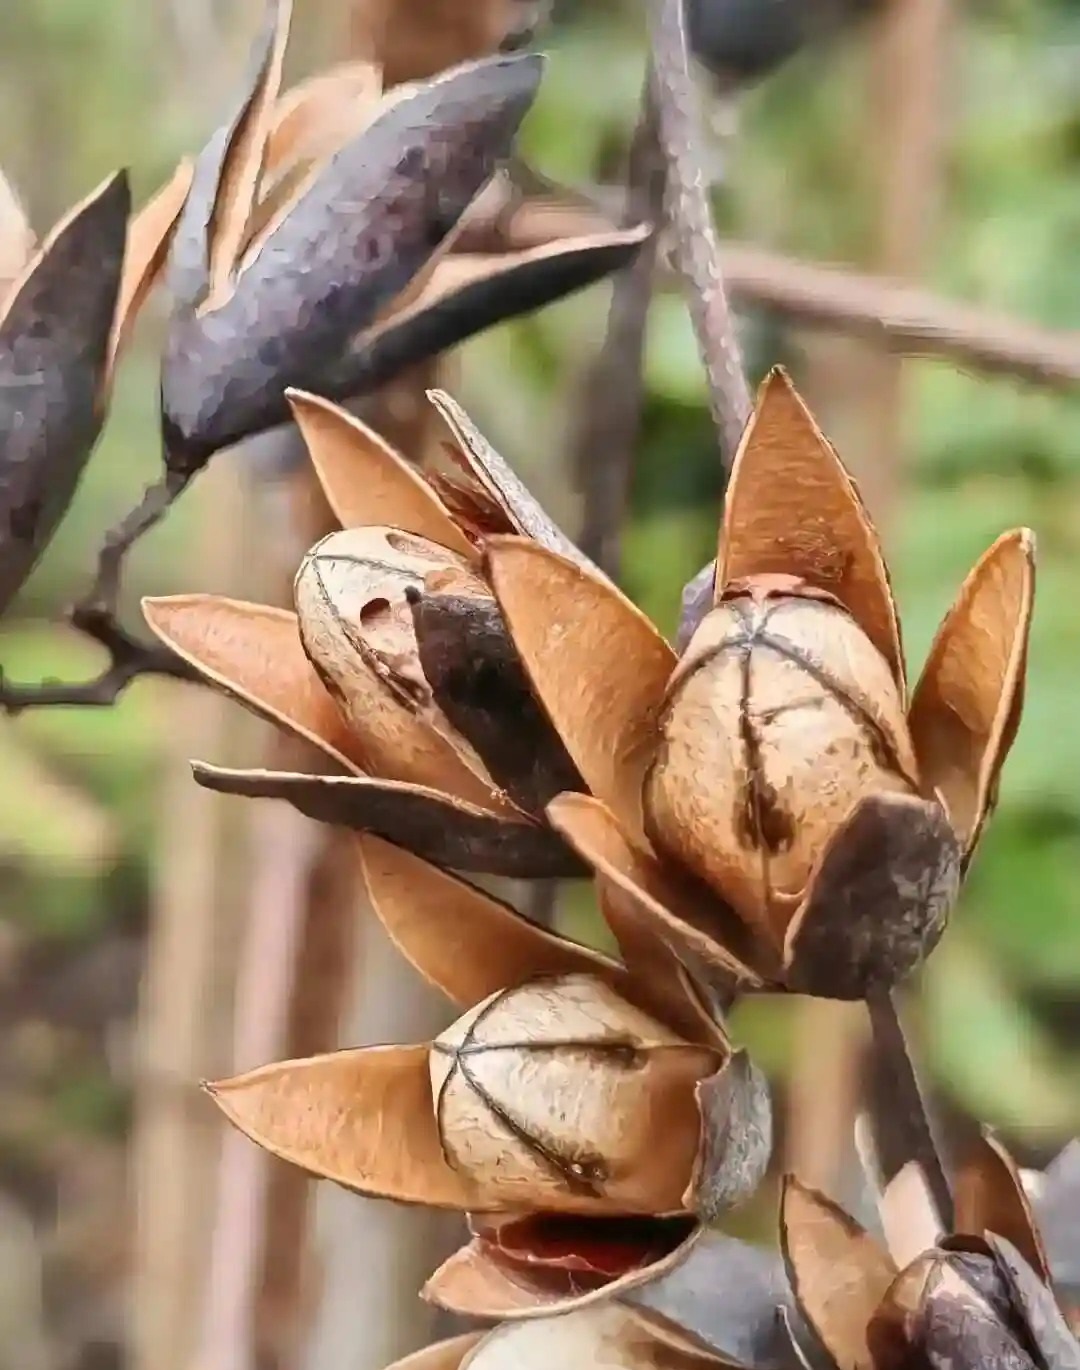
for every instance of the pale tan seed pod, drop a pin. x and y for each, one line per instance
(357, 629)
(607, 1337)
(781, 717)
(559, 1091)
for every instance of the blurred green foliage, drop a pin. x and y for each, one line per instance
(83, 86)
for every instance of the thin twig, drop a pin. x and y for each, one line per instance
(95, 617)
(696, 246)
(156, 502)
(611, 397)
(129, 658)
(908, 320)
(903, 318)
(908, 1115)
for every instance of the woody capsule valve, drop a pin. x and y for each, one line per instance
(589, 1115)
(772, 799)
(397, 664)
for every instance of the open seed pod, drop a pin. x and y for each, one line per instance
(978, 1297)
(772, 793)
(587, 1113)
(607, 1337)
(397, 664)
(66, 308)
(338, 235)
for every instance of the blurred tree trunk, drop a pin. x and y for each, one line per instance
(202, 876)
(858, 395)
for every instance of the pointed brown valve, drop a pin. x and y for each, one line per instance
(337, 235)
(66, 308)
(397, 664)
(772, 798)
(588, 1113)
(980, 1296)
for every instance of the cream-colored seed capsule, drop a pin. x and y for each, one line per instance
(559, 1094)
(780, 718)
(357, 628)
(607, 1337)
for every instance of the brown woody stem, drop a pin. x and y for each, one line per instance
(130, 658)
(906, 319)
(908, 1118)
(156, 502)
(95, 617)
(696, 246)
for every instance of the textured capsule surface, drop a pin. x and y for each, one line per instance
(605, 1337)
(356, 624)
(781, 717)
(560, 1094)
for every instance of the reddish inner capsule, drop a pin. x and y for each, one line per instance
(574, 1255)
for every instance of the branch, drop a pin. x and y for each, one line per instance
(156, 502)
(908, 1117)
(902, 318)
(609, 406)
(697, 250)
(129, 658)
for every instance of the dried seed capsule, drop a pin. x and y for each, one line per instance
(781, 717)
(357, 628)
(606, 1337)
(951, 1311)
(560, 1094)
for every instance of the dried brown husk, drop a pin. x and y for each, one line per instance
(366, 481)
(633, 883)
(543, 1264)
(966, 708)
(67, 307)
(990, 1197)
(793, 510)
(430, 822)
(558, 1091)
(470, 945)
(838, 1273)
(223, 379)
(950, 1312)
(253, 653)
(596, 663)
(408, 275)
(317, 1113)
(880, 889)
(482, 756)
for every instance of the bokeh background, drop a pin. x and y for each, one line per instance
(152, 934)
